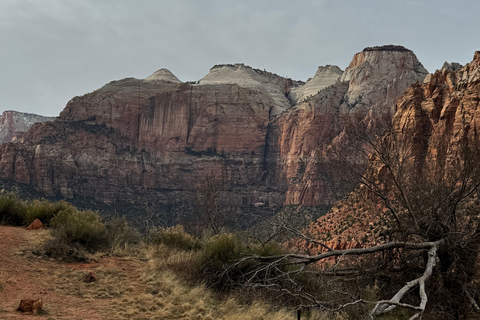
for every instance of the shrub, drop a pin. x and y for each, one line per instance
(44, 210)
(175, 237)
(219, 257)
(221, 249)
(85, 228)
(62, 249)
(267, 249)
(120, 234)
(11, 209)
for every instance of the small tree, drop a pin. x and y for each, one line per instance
(204, 211)
(431, 207)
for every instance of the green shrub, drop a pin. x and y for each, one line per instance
(85, 228)
(222, 249)
(11, 209)
(219, 267)
(120, 233)
(175, 237)
(267, 249)
(62, 249)
(44, 210)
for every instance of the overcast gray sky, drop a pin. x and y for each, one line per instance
(53, 50)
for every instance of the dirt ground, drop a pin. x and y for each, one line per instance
(24, 275)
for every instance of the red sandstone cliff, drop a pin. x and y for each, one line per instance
(313, 130)
(435, 123)
(155, 139)
(14, 124)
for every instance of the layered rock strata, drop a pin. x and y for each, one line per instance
(14, 124)
(435, 123)
(155, 140)
(314, 132)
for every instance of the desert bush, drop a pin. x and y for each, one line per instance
(219, 266)
(11, 209)
(44, 210)
(175, 237)
(85, 228)
(267, 249)
(120, 234)
(222, 249)
(62, 249)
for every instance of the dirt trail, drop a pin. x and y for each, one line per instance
(26, 276)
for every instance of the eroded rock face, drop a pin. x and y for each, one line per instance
(150, 140)
(434, 123)
(156, 139)
(325, 76)
(14, 124)
(328, 123)
(269, 84)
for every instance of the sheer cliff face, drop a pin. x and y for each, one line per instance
(134, 139)
(362, 99)
(162, 116)
(14, 124)
(158, 138)
(435, 123)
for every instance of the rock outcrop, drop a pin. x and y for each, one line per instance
(435, 123)
(330, 122)
(29, 305)
(268, 84)
(35, 225)
(143, 141)
(154, 140)
(14, 124)
(325, 76)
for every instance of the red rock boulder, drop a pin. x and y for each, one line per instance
(35, 225)
(29, 305)
(90, 277)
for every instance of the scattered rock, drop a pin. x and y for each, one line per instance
(35, 225)
(90, 277)
(29, 305)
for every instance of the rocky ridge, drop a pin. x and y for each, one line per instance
(324, 77)
(155, 140)
(14, 124)
(434, 122)
(267, 83)
(330, 122)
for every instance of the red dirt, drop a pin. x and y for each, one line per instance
(24, 276)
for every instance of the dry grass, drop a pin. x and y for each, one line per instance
(112, 283)
(147, 282)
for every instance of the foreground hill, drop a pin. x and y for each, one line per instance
(128, 287)
(262, 136)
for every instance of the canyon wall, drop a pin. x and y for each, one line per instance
(265, 137)
(435, 133)
(14, 124)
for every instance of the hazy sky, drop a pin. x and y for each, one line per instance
(53, 50)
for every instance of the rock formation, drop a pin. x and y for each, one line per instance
(435, 123)
(331, 121)
(269, 84)
(154, 140)
(35, 225)
(14, 124)
(325, 76)
(29, 305)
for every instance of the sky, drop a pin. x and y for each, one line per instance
(53, 50)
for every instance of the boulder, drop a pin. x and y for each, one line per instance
(30, 305)
(90, 277)
(35, 225)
